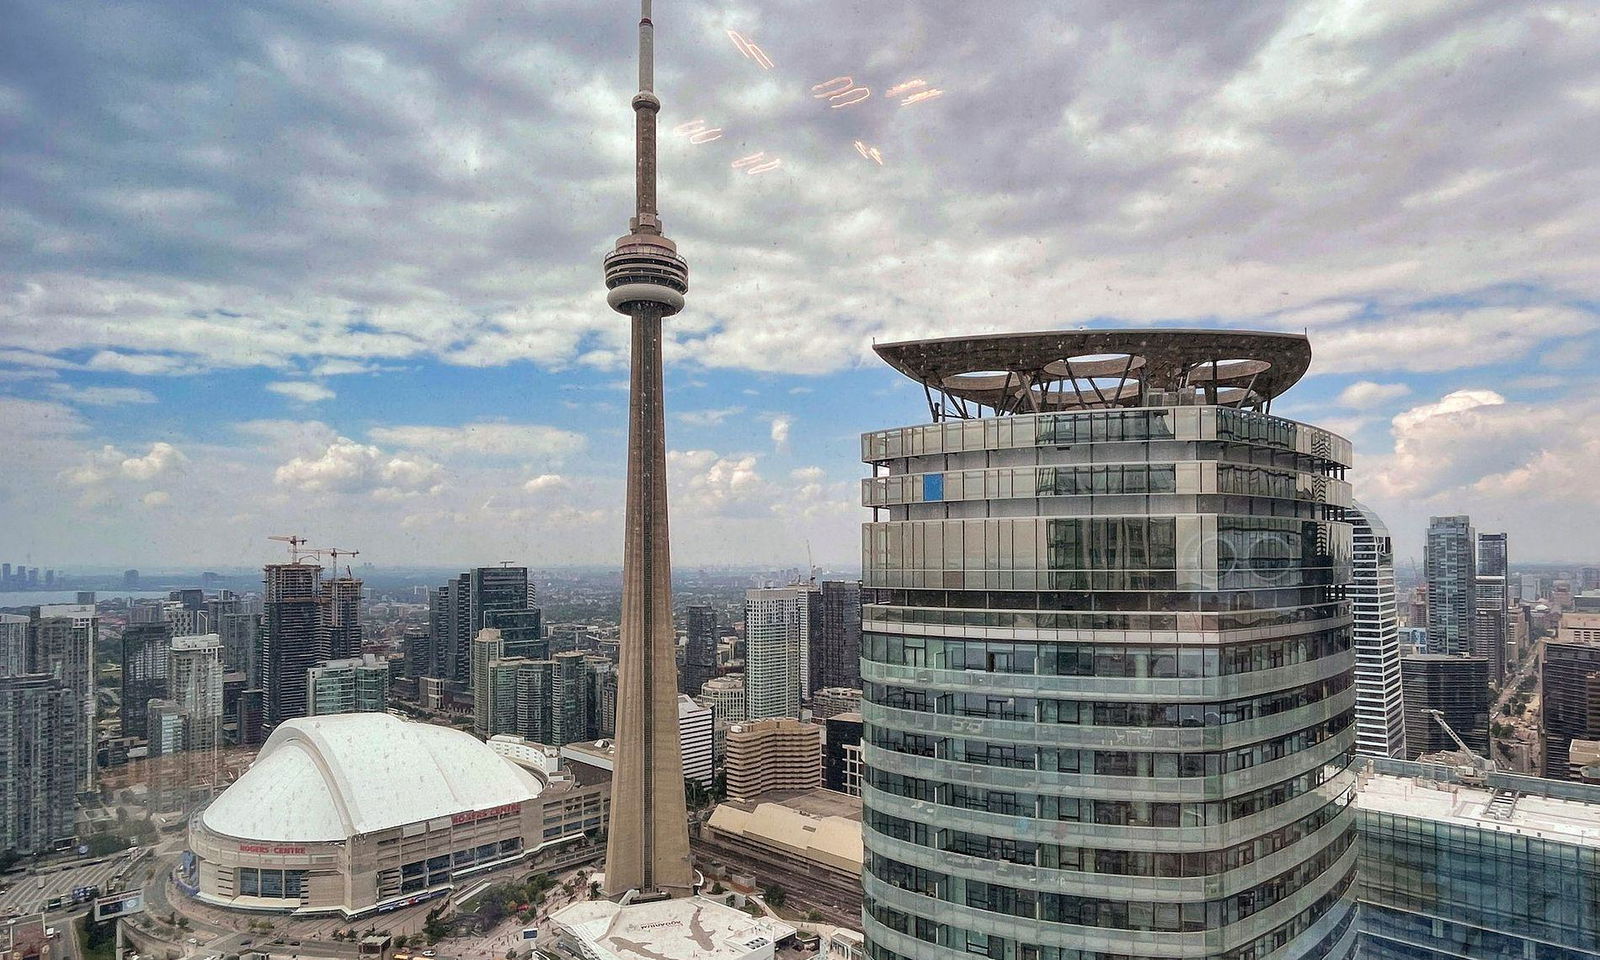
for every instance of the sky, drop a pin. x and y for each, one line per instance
(332, 267)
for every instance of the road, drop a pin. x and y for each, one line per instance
(29, 893)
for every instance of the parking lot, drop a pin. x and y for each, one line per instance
(29, 893)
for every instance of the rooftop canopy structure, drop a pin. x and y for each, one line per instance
(1023, 373)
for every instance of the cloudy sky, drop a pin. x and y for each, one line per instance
(331, 267)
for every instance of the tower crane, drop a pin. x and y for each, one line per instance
(334, 553)
(295, 542)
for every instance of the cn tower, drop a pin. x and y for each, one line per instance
(648, 849)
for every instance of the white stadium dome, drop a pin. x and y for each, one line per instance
(330, 778)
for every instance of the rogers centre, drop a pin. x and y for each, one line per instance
(359, 812)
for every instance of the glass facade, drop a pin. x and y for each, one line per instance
(1107, 688)
(1443, 876)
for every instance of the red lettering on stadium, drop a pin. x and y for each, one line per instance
(471, 815)
(268, 848)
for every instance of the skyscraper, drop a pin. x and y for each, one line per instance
(1450, 564)
(700, 649)
(241, 642)
(1457, 687)
(835, 658)
(1107, 697)
(62, 644)
(1380, 714)
(352, 685)
(13, 644)
(294, 637)
(194, 683)
(648, 844)
(341, 600)
(1491, 603)
(144, 673)
(1570, 686)
(483, 597)
(777, 631)
(41, 761)
(487, 650)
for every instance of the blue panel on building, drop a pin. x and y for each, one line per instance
(932, 487)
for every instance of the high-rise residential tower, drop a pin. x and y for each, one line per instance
(61, 643)
(1380, 712)
(341, 615)
(41, 762)
(144, 673)
(294, 637)
(648, 844)
(1450, 564)
(1491, 603)
(777, 632)
(1107, 655)
(835, 658)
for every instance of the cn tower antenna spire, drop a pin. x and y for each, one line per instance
(647, 849)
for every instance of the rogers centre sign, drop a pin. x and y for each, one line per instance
(471, 815)
(268, 848)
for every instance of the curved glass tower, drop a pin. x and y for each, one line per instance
(1380, 712)
(1106, 655)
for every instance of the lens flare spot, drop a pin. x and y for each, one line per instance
(905, 87)
(750, 50)
(923, 96)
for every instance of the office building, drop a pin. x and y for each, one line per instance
(352, 685)
(725, 695)
(830, 701)
(1380, 715)
(696, 732)
(835, 635)
(1450, 564)
(144, 672)
(841, 753)
(572, 699)
(1530, 588)
(13, 644)
(700, 648)
(777, 631)
(294, 637)
(1455, 869)
(1491, 604)
(252, 717)
(1457, 687)
(41, 762)
(1104, 598)
(769, 755)
(61, 643)
(1570, 686)
(484, 597)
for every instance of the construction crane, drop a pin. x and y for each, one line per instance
(295, 543)
(334, 553)
(1480, 766)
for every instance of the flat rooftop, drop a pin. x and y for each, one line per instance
(1564, 821)
(692, 928)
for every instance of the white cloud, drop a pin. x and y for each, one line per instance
(780, 431)
(161, 458)
(545, 482)
(100, 396)
(707, 418)
(156, 498)
(143, 364)
(486, 438)
(1364, 394)
(302, 391)
(356, 468)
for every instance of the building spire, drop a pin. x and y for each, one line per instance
(645, 107)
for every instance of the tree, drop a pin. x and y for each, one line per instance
(8, 860)
(594, 891)
(434, 926)
(774, 895)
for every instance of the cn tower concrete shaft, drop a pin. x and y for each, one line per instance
(648, 846)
